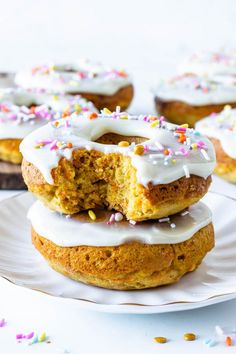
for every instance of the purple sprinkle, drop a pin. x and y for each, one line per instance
(29, 336)
(19, 336)
(2, 322)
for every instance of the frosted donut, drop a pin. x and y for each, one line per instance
(23, 111)
(188, 98)
(221, 130)
(210, 63)
(118, 255)
(104, 86)
(89, 160)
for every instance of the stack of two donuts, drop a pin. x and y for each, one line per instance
(118, 198)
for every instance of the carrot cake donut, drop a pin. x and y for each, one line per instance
(104, 86)
(188, 98)
(138, 165)
(22, 111)
(209, 63)
(221, 130)
(112, 253)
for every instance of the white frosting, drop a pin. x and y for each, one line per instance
(198, 91)
(210, 63)
(17, 120)
(81, 230)
(83, 77)
(165, 159)
(221, 126)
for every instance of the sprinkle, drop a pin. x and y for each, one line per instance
(138, 150)
(154, 124)
(30, 335)
(210, 342)
(184, 125)
(186, 171)
(205, 154)
(2, 322)
(164, 220)
(111, 220)
(132, 222)
(173, 225)
(34, 340)
(219, 330)
(19, 336)
(189, 336)
(228, 341)
(69, 145)
(118, 217)
(93, 115)
(123, 143)
(42, 337)
(106, 111)
(160, 340)
(92, 215)
(186, 212)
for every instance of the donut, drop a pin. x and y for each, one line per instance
(210, 63)
(141, 166)
(119, 255)
(221, 130)
(188, 98)
(103, 86)
(22, 111)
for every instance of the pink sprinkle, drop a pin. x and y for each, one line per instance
(53, 146)
(111, 220)
(145, 118)
(19, 336)
(213, 115)
(2, 323)
(146, 148)
(29, 336)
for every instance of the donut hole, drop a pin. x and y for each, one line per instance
(114, 139)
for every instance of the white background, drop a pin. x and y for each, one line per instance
(148, 38)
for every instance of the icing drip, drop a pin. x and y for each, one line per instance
(221, 126)
(83, 77)
(81, 230)
(22, 111)
(170, 152)
(198, 91)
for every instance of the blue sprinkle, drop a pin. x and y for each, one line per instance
(234, 330)
(207, 341)
(212, 343)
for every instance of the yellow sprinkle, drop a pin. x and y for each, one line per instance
(42, 337)
(106, 111)
(161, 340)
(39, 146)
(174, 161)
(124, 117)
(123, 143)
(154, 124)
(77, 107)
(194, 146)
(184, 125)
(138, 150)
(189, 336)
(56, 98)
(92, 215)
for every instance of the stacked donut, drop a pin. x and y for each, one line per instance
(118, 198)
(206, 84)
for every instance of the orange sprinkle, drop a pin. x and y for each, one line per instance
(65, 114)
(69, 145)
(32, 109)
(152, 118)
(56, 123)
(166, 152)
(228, 341)
(93, 115)
(5, 109)
(182, 138)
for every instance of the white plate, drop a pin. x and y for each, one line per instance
(214, 281)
